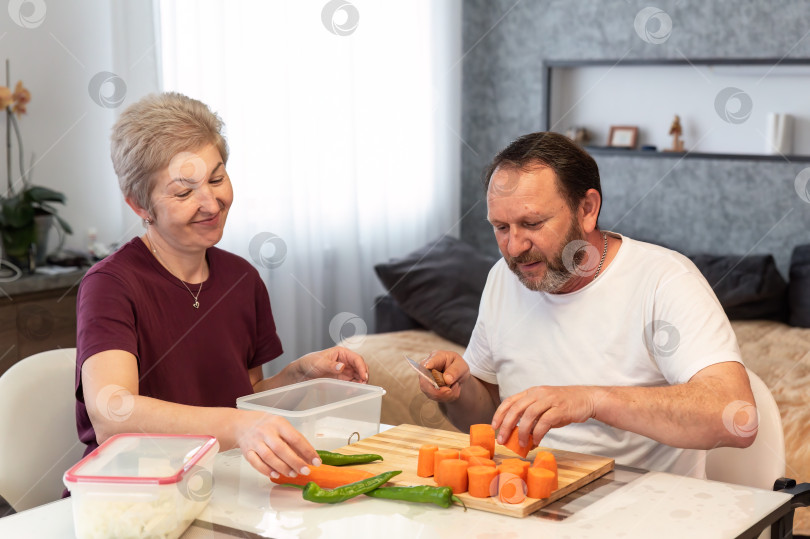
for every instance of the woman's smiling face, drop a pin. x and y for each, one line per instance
(190, 200)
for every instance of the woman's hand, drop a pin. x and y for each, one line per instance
(336, 362)
(272, 446)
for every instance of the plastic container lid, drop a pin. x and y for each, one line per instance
(310, 397)
(141, 459)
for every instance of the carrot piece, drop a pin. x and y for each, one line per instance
(514, 468)
(524, 464)
(440, 455)
(545, 459)
(453, 474)
(424, 463)
(541, 482)
(482, 481)
(483, 435)
(514, 444)
(478, 461)
(326, 476)
(474, 451)
(511, 488)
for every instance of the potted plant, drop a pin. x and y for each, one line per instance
(26, 211)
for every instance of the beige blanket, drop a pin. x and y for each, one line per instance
(778, 353)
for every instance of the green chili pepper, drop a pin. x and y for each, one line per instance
(339, 459)
(314, 493)
(441, 496)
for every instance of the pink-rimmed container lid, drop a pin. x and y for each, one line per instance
(145, 459)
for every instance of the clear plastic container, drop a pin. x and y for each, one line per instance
(142, 485)
(327, 412)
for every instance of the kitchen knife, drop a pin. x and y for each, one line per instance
(423, 372)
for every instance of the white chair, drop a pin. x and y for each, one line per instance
(38, 428)
(763, 462)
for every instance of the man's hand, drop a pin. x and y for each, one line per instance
(272, 446)
(541, 408)
(336, 362)
(454, 370)
(465, 400)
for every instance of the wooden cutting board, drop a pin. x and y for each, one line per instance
(399, 447)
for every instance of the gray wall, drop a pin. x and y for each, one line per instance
(693, 205)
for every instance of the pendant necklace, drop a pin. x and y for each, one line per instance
(196, 303)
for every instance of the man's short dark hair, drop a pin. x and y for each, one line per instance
(575, 169)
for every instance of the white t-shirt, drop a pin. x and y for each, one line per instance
(649, 319)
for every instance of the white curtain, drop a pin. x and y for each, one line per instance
(342, 120)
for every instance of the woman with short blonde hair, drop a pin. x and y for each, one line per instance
(172, 330)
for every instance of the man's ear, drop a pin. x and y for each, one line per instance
(141, 212)
(589, 210)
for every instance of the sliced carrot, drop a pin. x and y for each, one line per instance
(546, 460)
(514, 444)
(326, 476)
(524, 464)
(541, 482)
(478, 461)
(514, 468)
(440, 455)
(453, 474)
(511, 488)
(474, 451)
(482, 481)
(424, 463)
(483, 435)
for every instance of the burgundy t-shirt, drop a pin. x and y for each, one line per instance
(200, 357)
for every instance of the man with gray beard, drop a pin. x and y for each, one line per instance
(588, 340)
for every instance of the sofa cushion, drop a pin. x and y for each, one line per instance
(799, 288)
(389, 316)
(439, 286)
(748, 288)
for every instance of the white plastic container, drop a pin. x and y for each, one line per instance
(327, 412)
(142, 485)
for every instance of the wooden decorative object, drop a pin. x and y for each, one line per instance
(676, 131)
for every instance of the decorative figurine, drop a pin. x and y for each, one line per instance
(579, 135)
(676, 131)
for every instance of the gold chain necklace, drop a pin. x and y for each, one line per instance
(196, 303)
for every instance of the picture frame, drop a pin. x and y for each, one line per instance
(623, 136)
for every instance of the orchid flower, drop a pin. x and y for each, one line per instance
(21, 98)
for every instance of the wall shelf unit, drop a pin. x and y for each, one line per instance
(596, 94)
(602, 150)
